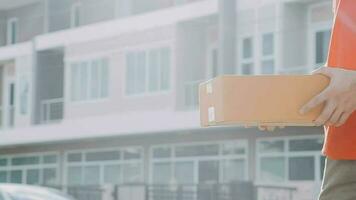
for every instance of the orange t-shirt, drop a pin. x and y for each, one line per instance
(340, 142)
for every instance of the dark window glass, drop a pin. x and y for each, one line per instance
(306, 145)
(198, 150)
(301, 169)
(103, 156)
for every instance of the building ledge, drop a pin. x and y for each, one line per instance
(102, 126)
(135, 23)
(16, 50)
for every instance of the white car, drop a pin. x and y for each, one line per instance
(26, 192)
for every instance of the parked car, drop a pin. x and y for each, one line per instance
(26, 192)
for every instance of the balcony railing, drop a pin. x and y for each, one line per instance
(52, 110)
(191, 94)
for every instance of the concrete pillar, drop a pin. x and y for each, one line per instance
(227, 36)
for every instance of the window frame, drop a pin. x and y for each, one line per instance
(271, 57)
(286, 154)
(220, 158)
(147, 49)
(9, 33)
(41, 166)
(88, 61)
(250, 60)
(102, 164)
(313, 28)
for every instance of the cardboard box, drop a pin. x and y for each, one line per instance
(253, 100)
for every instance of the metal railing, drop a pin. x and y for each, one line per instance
(52, 110)
(244, 190)
(191, 94)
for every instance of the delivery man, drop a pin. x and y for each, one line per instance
(338, 115)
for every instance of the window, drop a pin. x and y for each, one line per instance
(148, 71)
(267, 62)
(290, 159)
(12, 31)
(322, 39)
(105, 167)
(30, 169)
(247, 56)
(200, 163)
(75, 15)
(89, 80)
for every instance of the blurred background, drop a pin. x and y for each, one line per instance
(98, 98)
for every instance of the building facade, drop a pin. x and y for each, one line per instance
(98, 93)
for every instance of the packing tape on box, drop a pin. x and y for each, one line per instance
(211, 114)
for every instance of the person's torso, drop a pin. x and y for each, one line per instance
(340, 142)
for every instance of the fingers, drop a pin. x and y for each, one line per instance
(266, 128)
(317, 100)
(325, 114)
(343, 118)
(334, 119)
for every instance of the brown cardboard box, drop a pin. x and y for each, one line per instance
(253, 100)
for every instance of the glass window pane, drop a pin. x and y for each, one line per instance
(208, 172)
(247, 48)
(306, 145)
(165, 68)
(104, 78)
(132, 153)
(301, 168)
(94, 81)
(132, 173)
(162, 173)
(130, 73)
(322, 39)
(50, 159)
(49, 176)
(247, 68)
(3, 176)
(267, 67)
(271, 146)
(102, 156)
(162, 152)
(197, 150)
(153, 70)
(74, 176)
(272, 169)
(268, 44)
(141, 72)
(83, 90)
(3, 162)
(75, 81)
(184, 172)
(16, 176)
(25, 160)
(33, 177)
(74, 157)
(92, 175)
(112, 174)
(233, 170)
(233, 149)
